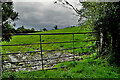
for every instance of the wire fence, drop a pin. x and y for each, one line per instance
(41, 50)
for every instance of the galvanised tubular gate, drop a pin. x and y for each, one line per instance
(41, 50)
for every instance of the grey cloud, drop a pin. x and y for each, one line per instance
(33, 13)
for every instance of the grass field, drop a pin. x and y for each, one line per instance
(28, 39)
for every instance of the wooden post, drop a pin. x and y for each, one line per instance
(101, 42)
(41, 52)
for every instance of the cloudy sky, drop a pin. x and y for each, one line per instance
(43, 13)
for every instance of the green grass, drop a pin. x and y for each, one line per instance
(28, 39)
(87, 68)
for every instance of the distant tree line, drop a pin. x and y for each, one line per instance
(22, 30)
(25, 30)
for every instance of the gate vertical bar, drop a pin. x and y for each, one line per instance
(1, 64)
(41, 52)
(73, 49)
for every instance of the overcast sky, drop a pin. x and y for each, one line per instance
(45, 13)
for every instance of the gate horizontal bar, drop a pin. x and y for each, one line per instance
(39, 59)
(22, 67)
(46, 58)
(55, 33)
(47, 43)
(34, 65)
(45, 50)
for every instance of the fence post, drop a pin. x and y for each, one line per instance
(73, 48)
(41, 52)
(101, 40)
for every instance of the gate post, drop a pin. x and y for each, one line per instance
(101, 42)
(41, 53)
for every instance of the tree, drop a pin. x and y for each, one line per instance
(32, 30)
(44, 29)
(109, 24)
(106, 19)
(103, 17)
(21, 29)
(8, 15)
(56, 27)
